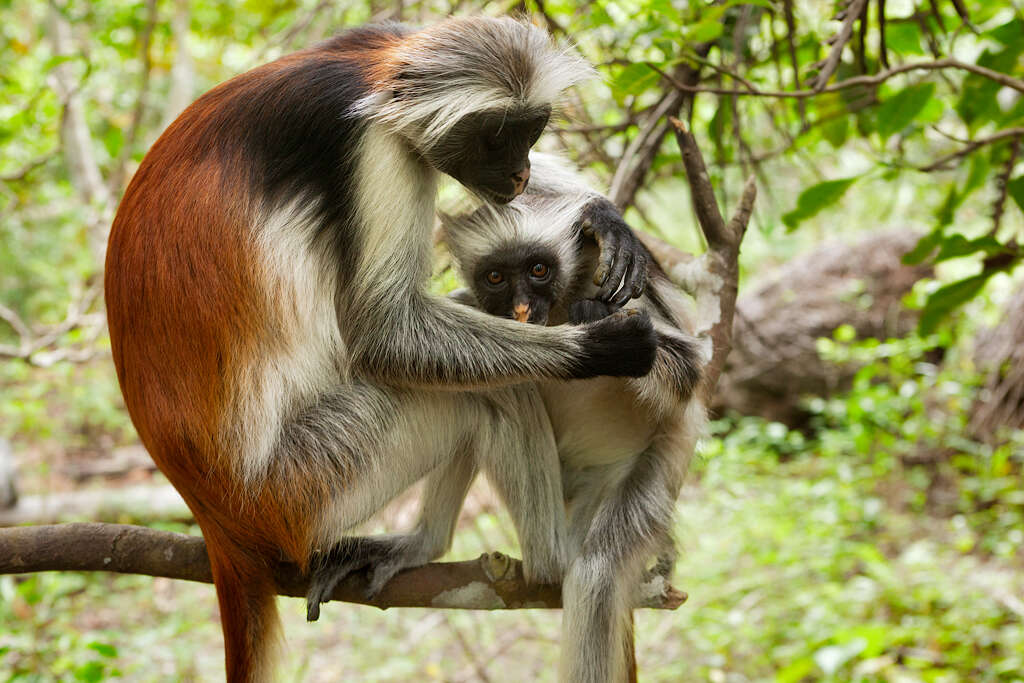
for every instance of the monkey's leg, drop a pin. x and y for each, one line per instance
(443, 494)
(445, 432)
(362, 445)
(520, 457)
(629, 526)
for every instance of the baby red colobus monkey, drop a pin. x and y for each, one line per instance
(624, 444)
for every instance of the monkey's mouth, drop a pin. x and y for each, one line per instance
(495, 196)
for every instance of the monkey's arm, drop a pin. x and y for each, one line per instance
(623, 258)
(433, 341)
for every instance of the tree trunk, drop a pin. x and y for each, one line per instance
(775, 360)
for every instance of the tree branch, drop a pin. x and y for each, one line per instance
(76, 140)
(183, 72)
(37, 347)
(854, 9)
(970, 147)
(493, 581)
(642, 149)
(713, 278)
(127, 147)
(857, 81)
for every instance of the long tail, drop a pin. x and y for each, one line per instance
(248, 612)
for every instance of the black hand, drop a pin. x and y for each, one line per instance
(622, 345)
(623, 258)
(588, 310)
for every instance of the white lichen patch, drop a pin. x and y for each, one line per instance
(704, 286)
(475, 595)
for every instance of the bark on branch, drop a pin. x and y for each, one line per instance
(493, 581)
(713, 279)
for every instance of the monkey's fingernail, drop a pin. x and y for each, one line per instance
(600, 276)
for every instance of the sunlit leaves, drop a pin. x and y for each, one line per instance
(815, 198)
(949, 297)
(1016, 189)
(634, 79)
(898, 111)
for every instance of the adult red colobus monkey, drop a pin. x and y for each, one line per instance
(274, 339)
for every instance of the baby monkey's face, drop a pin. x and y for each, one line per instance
(518, 283)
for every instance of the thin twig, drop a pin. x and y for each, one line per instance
(861, 50)
(961, 11)
(22, 173)
(791, 43)
(1002, 189)
(883, 50)
(853, 12)
(938, 64)
(926, 29)
(128, 145)
(971, 147)
(937, 14)
(643, 148)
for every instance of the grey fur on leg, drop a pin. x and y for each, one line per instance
(521, 462)
(631, 522)
(504, 431)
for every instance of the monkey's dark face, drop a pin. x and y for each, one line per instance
(488, 152)
(519, 283)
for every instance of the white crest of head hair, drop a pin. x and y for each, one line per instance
(529, 219)
(469, 64)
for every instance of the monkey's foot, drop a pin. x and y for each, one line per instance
(384, 557)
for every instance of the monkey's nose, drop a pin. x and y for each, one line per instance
(521, 313)
(521, 179)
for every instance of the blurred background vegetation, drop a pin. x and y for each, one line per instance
(857, 512)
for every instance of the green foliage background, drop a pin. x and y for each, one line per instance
(830, 553)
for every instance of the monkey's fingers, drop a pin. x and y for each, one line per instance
(638, 275)
(608, 243)
(321, 586)
(614, 288)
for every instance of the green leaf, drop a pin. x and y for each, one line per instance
(924, 247)
(836, 131)
(904, 38)
(704, 31)
(1010, 33)
(815, 198)
(944, 214)
(898, 111)
(978, 174)
(1016, 189)
(945, 300)
(90, 672)
(978, 103)
(634, 79)
(956, 246)
(104, 649)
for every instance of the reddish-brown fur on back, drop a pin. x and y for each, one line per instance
(189, 317)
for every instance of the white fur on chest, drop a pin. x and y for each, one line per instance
(597, 421)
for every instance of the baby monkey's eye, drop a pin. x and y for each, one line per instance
(494, 277)
(539, 270)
